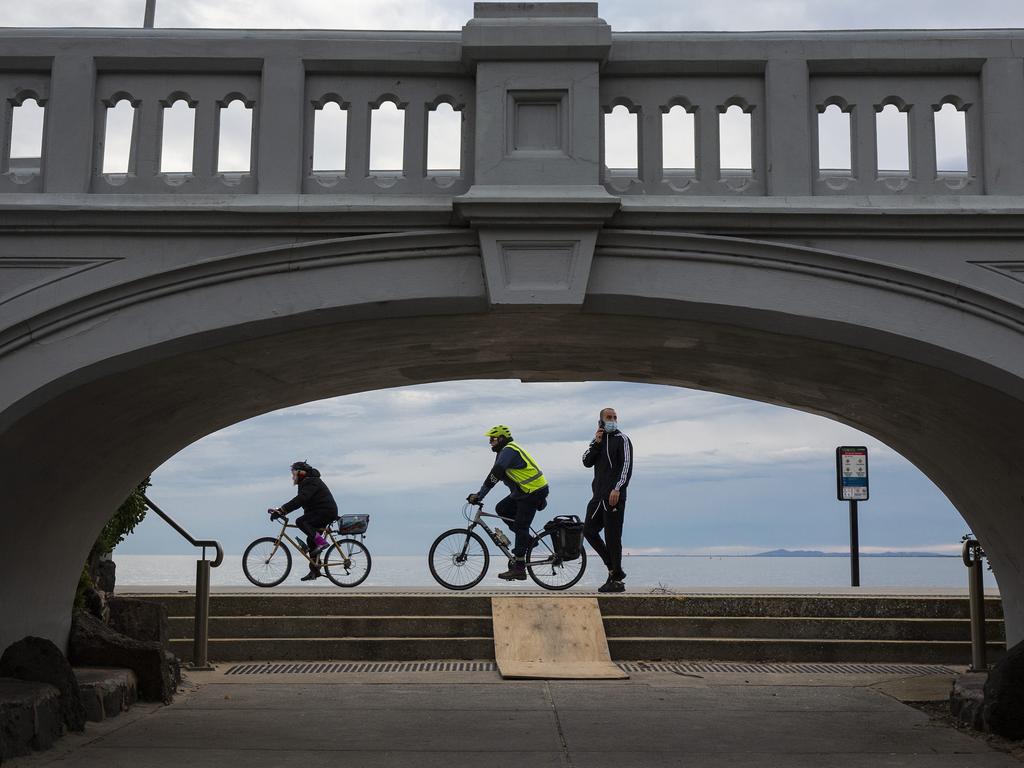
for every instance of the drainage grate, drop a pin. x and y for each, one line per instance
(323, 668)
(785, 669)
(335, 667)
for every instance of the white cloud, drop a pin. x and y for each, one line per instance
(623, 15)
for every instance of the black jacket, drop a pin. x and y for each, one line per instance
(612, 460)
(314, 497)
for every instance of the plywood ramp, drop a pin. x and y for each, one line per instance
(551, 637)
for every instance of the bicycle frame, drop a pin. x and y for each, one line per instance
(478, 520)
(327, 532)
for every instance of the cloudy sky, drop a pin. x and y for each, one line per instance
(713, 473)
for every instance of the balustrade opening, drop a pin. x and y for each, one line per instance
(892, 140)
(678, 143)
(330, 138)
(178, 137)
(118, 138)
(951, 140)
(621, 146)
(735, 141)
(387, 140)
(834, 152)
(26, 137)
(234, 142)
(444, 141)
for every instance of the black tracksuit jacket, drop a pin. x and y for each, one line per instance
(612, 460)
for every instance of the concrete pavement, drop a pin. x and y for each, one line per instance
(427, 719)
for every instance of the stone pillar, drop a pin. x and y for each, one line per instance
(536, 197)
(282, 108)
(1002, 98)
(70, 120)
(788, 127)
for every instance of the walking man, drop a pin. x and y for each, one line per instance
(610, 453)
(529, 493)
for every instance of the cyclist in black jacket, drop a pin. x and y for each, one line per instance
(318, 507)
(610, 453)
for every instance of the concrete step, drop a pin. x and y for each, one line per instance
(453, 604)
(30, 717)
(776, 650)
(621, 648)
(797, 628)
(615, 626)
(337, 626)
(340, 648)
(106, 691)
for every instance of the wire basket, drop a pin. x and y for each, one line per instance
(351, 524)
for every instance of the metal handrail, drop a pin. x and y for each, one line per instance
(204, 543)
(201, 633)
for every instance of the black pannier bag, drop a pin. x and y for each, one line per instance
(566, 536)
(350, 524)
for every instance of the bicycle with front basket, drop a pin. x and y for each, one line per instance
(268, 560)
(459, 557)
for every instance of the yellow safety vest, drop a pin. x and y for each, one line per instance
(529, 478)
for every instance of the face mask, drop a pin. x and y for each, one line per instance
(611, 426)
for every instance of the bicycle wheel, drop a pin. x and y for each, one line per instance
(551, 571)
(347, 563)
(267, 562)
(458, 559)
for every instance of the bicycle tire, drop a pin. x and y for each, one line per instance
(551, 572)
(345, 568)
(451, 551)
(271, 552)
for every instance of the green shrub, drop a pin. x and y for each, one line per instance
(123, 522)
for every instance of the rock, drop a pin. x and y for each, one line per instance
(30, 716)
(96, 603)
(1003, 711)
(967, 700)
(140, 619)
(173, 668)
(105, 573)
(38, 659)
(93, 643)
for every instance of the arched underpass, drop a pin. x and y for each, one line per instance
(93, 432)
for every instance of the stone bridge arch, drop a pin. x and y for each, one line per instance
(105, 385)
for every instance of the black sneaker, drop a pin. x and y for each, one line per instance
(311, 576)
(612, 586)
(618, 575)
(516, 572)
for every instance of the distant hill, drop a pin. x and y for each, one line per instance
(816, 553)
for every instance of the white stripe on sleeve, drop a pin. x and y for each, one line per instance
(627, 460)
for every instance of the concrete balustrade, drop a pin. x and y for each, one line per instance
(782, 80)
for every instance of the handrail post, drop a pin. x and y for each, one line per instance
(972, 556)
(202, 626)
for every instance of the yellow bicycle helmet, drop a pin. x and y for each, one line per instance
(499, 431)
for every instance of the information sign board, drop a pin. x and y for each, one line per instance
(852, 473)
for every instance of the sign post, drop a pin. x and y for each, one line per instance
(852, 486)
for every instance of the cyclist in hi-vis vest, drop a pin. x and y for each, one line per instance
(517, 469)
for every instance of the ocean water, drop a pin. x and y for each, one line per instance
(643, 572)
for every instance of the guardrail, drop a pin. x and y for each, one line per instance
(201, 633)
